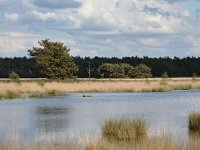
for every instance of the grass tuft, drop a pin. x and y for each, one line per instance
(52, 92)
(194, 122)
(124, 129)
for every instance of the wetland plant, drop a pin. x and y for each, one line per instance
(10, 95)
(124, 129)
(194, 122)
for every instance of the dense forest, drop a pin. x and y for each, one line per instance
(175, 67)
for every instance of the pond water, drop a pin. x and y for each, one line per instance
(75, 115)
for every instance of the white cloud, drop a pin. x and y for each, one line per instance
(101, 27)
(45, 16)
(20, 34)
(153, 42)
(8, 45)
(12, 16)
(195, 44)
(128, 16)
(12, 43)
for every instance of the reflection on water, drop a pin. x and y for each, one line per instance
(52, 110)
(75, 115)
(52, 118)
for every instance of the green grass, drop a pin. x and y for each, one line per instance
(41, 83)
(52, 92)
(124, 129)
(194, 122)
(10, 95)
(37, 95)
(183, 87)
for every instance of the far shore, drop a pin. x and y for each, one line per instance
(101, 79)
(95, 85)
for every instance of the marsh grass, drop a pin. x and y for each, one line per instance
(10, 95)
(54, 88)
(124, 129)
(52, 92)
(151, 143)
(194, 122)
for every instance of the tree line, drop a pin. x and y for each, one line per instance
(175, 67)
(52, 60)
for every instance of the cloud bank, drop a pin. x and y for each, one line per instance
(102, 27)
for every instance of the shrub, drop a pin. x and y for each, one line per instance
(124, 129)
(41, 83)
(13, 76)
(164, 79)
(194, 77)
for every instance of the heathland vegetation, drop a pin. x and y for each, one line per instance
(44, 87)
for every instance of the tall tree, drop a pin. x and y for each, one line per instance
(53, 60)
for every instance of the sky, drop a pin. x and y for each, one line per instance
(104, 28)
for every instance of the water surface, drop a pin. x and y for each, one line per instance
(74, 115)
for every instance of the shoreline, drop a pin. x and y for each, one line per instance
(14, 89)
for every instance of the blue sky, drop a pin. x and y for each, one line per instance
(105, 28)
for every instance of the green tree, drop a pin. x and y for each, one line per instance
(13, 76)
(143, 71)
(126, 68)
(133, 73)
(111, 71)
(53, 60)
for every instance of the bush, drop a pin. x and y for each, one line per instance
(143, 71)
(194, 77)
(13, 76)
(164, 79)
(124, 129)
(41, 83)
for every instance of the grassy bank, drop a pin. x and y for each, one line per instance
(154, 143)
(140, 85)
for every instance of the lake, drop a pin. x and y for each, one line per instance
(74, 115)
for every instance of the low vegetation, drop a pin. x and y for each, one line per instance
(124, 129)
(10, 95)
(194, 122)
(118, 134)
(53, 88)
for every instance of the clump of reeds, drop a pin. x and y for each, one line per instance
(52, 92)
(124, 129)
(10, 95)
(194, 122)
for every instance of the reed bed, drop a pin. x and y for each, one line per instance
(99, 86)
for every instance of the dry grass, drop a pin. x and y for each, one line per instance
(153, 85)
(152, 143)
(124, 129)
(194, 122)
